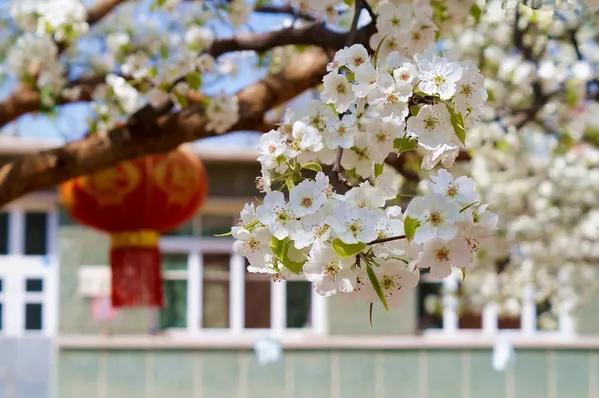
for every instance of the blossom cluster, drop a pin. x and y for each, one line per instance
(34, 59)
(177, 74)
(430, 101)
(331, 210)
(63, 20)
(551, 224)
(406, 26)
(541, 176)
(34, 55)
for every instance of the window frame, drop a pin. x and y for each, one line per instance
(195, 247)
(16, 267)
(490, 316)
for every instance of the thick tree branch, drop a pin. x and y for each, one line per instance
(153, 130)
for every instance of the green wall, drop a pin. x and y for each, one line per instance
(84, 246)
(325, 373)
(350, 317)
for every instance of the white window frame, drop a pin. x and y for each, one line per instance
(490, 316)
(16, 267)
(195, 248)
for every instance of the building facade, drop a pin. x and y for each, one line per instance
(226, 333)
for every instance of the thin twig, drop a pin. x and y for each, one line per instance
(574, 41)
(370, 11)
(385, 240)
(354, 24)
(337, 169)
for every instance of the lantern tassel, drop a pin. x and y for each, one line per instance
(135, 263)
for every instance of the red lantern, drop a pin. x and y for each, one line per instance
(134, 201)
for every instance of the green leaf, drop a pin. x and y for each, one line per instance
(347, 249)
(405, 144)
(370, 307)
(290, 184)
(314, 166)
(230, 233)
(378, 169)
(352, 174)
(377, 286)
(280, 249)
(414, 109)
(194, 79)
(410, 225)
(293, 266)
(476, 12)
(457, 122)
(182, 99)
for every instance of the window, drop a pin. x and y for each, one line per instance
(442, 309)
(33, 316)
(208, 225)
(36, 233)
(215, 224)
(34, 285)
(34, 289)
(4, 220)
(28, 267)
(298, 304)
(209, 290)
(216, 290)
(257, 301)
(174, 313)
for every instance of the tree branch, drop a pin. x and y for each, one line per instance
(152, 130)
(385, 240)
(100, 9)
(539, 99)
(315, 34)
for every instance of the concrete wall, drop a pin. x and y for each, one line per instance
(25, 367)
(467, 373)
(350, 317)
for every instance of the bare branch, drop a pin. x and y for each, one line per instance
(100, 9)
(25, 99)
(314, 34)
(385, 240)
(153, 130)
